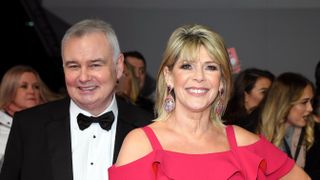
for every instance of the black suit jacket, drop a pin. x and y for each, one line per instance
(39, 144)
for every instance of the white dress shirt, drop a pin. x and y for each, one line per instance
(5, 125)
(92, 148)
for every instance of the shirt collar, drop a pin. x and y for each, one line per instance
(5, 119)
(75, 110)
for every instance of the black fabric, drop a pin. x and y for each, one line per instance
(249, 122)
(105, 120)
(296, 154)
(39, 145)
(313, 155)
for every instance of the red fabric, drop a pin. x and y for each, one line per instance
(260, 160)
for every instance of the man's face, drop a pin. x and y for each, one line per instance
(90, 71)
(139, 69)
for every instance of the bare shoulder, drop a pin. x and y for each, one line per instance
(244, 137)
(135, 146)
(296, 173)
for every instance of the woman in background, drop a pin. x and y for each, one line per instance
(188, 140)
(21, 87)
(286, 118)
(249, 89)
(128, 85)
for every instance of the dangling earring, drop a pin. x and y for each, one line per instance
(169, 103)
(220, 104)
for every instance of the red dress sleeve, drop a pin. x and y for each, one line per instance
(139, 169)
(275, 163)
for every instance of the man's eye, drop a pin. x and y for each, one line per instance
(95, 65)
(142, 71)
(72, 66)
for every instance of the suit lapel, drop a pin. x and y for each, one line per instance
(125, 123)
(129, 117)
(123, 128)
(59, 142)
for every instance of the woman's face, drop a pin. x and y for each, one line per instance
(302, 109)
(257, 93)
(27, 93)
(125, 81)
(195, 83)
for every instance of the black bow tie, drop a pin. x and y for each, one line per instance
(105, 120)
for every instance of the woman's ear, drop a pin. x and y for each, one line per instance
(221, 87)
(168, 76)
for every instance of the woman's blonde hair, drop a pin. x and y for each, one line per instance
(133, 94)
(184, 43)
(284, 93)
(10, 83)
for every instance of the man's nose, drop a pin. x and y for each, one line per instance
(84, 74)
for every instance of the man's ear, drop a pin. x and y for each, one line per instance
(119, 66)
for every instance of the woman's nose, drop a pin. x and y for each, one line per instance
(198, 75)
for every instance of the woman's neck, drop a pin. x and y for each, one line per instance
(190, 122)
(11, 109)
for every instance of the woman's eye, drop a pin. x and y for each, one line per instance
(185, 66)
(212, 67)
(24, 86)
(306, 101)
(36, 87)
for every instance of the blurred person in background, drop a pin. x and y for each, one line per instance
(286, 116)
(137, 60)
(313, 154)
(128, 84)
(21, 88)
(249, 89)
(145, 99)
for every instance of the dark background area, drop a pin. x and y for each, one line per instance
(279, 36)
(29, 39)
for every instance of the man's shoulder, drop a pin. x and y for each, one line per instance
(129, 107)
(133, 113)
(50, 107)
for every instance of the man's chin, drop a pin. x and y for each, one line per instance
(87, 104)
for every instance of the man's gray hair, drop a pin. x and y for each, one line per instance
(88, 26)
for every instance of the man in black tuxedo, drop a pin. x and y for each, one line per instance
(78, 137)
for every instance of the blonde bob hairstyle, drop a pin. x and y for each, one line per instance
(185, 43)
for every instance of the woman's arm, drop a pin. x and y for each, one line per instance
(296, 173)
(135, 145)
